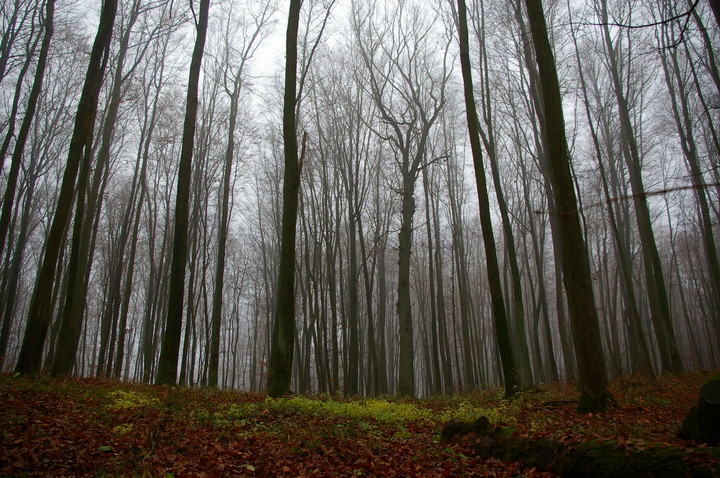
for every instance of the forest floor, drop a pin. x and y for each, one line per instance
(85, 427)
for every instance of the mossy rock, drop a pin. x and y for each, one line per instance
(702, 423)
(591, 459)
(605, 459)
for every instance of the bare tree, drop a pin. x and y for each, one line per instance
(502, 332)
(252, 32)
(21, 140)
(167, 366)
(575, 265)
(408, 87)
(657, 292)
(281, 354)
(40, 309)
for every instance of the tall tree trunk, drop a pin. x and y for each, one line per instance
(502, 333)
(443, 342)
(87, 206)
(351, 375)
(639, 353)
(517, 325)
(463, 291)
(13, 281)
(434, 348)
(214, 357)
(539, 137)
(657, 292)
(575, 265)
(406, 379)
(281, 354)
(681, 113)
(168, 363)
(40, 307)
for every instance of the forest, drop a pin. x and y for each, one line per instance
(360, 198)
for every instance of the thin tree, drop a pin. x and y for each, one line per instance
(639, 352)
(21, 141)
(40, 306)
(502, 333)
(398, 61)
(232, 82)
(652, 265)
(167, 365)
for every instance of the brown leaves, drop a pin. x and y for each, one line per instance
(65, 428)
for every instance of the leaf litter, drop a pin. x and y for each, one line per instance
(90, 427)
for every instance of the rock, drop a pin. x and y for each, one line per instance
(702, 423)
(589, 459)
(457, 430)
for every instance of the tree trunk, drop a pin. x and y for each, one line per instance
(684, 123)
(502, 333)
(167, 365)
(575, 266)
(406, 379)
(657, 293)
(281, 354)
(639, 353)
(40, 307)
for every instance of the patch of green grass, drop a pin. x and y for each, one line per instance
(364, 412)
(123, 399)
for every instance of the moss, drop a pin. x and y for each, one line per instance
(702, 423)
(381, 411)
(595, 458)
(608, 460)
(121, 399)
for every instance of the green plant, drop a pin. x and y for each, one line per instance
(121, 399)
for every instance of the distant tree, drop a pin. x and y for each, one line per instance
(234, 75)
(677, 79)
(21, 140)
(639, 352)
(408, 83)
(631, 151)
(15, 29)
(87, 204)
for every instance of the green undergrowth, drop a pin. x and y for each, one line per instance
(387, 412)
(123, 399)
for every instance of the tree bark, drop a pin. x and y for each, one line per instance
(502, 333)
(167, 365)
(576, 270)
(40, 307)
(281, 353)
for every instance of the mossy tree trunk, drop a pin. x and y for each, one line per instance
(281, 352)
